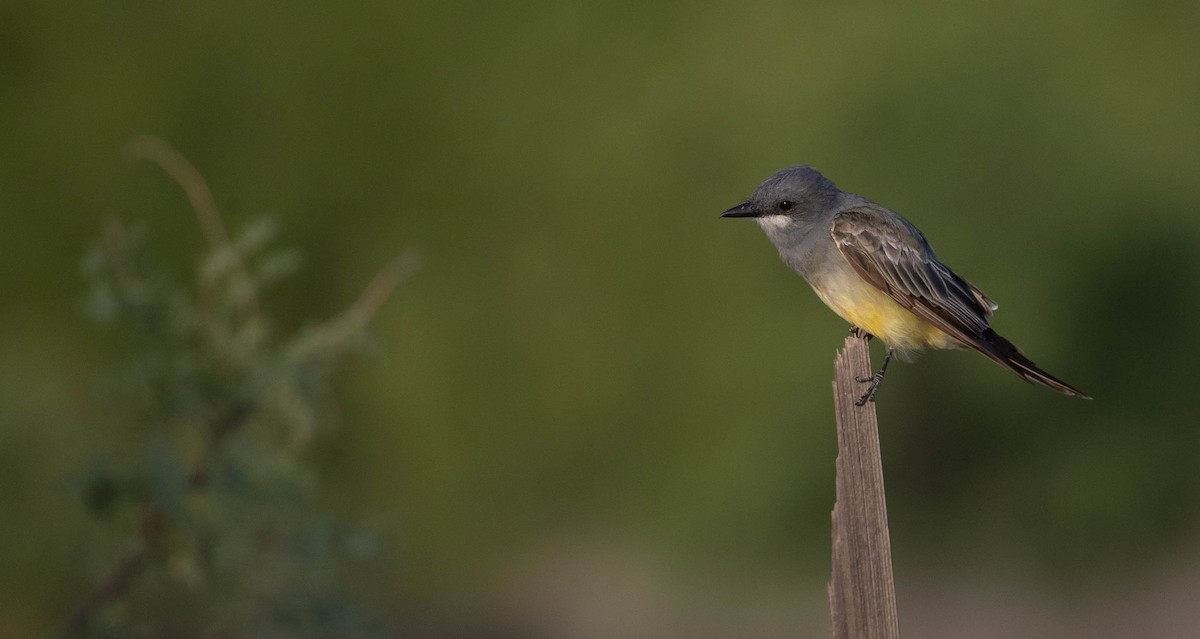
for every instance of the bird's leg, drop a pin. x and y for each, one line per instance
(875, 380)
(860, 333)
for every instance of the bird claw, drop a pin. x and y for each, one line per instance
(876, 381)
(860, 333)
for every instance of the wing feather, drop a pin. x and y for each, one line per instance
(890, 253)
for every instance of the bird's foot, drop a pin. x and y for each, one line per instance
(876, 381)
(860, 333)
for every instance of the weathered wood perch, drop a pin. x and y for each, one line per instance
(862, 594)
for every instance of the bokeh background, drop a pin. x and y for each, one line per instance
(599, 409)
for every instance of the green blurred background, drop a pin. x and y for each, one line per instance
(599, 407)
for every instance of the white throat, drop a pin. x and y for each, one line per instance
(774, 221)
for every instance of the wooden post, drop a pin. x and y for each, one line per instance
(862, 595)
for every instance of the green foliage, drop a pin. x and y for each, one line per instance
(216, 494)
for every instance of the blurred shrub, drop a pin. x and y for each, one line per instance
(215, 494)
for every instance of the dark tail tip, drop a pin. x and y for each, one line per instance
(1010, 357)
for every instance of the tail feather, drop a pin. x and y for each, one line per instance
(1004, 353)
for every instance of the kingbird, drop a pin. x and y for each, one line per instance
(875, 269)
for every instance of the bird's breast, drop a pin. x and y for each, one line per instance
(872, 310)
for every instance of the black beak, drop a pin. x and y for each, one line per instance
(745, 209)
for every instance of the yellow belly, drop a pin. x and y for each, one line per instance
(873, 311)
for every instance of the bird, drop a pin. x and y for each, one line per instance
(876, 270)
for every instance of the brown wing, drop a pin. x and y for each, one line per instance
(890, 253)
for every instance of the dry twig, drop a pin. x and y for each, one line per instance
(194, 185)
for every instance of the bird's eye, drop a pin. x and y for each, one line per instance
(785, 205)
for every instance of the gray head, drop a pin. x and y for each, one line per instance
(797, 193)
